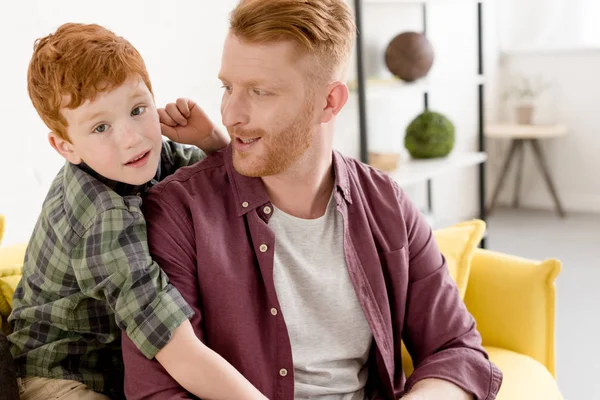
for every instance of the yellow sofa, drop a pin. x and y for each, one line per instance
(512, 300)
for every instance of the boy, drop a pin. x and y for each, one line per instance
(88, 273)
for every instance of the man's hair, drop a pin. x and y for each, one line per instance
(79, 61)
(322, 28)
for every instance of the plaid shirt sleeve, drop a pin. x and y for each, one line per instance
(176, 155)
(112, 263)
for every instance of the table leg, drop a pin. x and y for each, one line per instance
(502, 178)
(546, 173)
(519, 173)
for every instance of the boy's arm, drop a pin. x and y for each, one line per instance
(185, 122)
(112, 263)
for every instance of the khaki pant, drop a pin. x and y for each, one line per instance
(34, 388)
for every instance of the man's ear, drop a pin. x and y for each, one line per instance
(336, 99)
(64, 148)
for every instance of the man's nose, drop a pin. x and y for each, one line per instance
(235, 110)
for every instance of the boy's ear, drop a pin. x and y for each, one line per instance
(64, 148)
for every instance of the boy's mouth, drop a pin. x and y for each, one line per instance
(139, 160)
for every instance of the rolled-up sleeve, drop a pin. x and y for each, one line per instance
(439, 332)
(112, 263)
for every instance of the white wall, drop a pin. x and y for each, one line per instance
(181, 42)
(548, 24)
(558, 40)
(572, 100)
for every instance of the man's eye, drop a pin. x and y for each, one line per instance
(101, 128)
(138, 110)
(259, 92)
(227, 88)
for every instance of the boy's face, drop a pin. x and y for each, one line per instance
(117, 135)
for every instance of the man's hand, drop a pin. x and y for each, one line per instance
(185, 122)
(436, 389)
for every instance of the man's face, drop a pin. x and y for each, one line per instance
(266, 106)
(118, 134)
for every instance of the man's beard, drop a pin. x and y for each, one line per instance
(279, 150)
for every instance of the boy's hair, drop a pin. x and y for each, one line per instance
(322, 28)
(78, 61)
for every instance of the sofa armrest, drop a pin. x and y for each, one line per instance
(513, 302)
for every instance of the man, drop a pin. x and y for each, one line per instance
(305, 269)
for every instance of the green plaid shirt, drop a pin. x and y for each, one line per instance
(88, 275)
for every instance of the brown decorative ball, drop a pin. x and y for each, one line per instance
(409, 56)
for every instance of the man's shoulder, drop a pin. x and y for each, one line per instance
(209, 172)
(363, 177)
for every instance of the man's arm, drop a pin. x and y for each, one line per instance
(439, 332)
(428, 389)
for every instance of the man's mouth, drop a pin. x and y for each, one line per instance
(247, 141)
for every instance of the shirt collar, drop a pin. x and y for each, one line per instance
(121, 188)
(250, 192)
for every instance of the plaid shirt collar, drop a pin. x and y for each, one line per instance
(121, 188)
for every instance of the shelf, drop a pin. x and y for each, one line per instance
(377, 86)
(410, 172)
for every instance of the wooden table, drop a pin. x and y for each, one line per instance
(519, 136)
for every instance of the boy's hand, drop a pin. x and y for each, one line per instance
(185, 122)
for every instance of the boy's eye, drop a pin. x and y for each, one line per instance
(101, 128)
(138, 110)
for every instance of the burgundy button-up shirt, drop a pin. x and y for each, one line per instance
(208, 228)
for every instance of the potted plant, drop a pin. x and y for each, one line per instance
(525, 92)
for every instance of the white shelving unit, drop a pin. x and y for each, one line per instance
(381, 87)
(411, 172)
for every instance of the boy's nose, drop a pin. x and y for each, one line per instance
(131, 137)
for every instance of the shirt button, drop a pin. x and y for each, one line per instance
(283, 372)
(267, 210)
(273, 311)
(245, 204)
(263, 248)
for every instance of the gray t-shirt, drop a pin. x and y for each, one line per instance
(329, 333)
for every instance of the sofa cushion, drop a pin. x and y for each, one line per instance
(513, 300)
(524, 377)
(11, 267)
(2, 222)
(457, 243)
